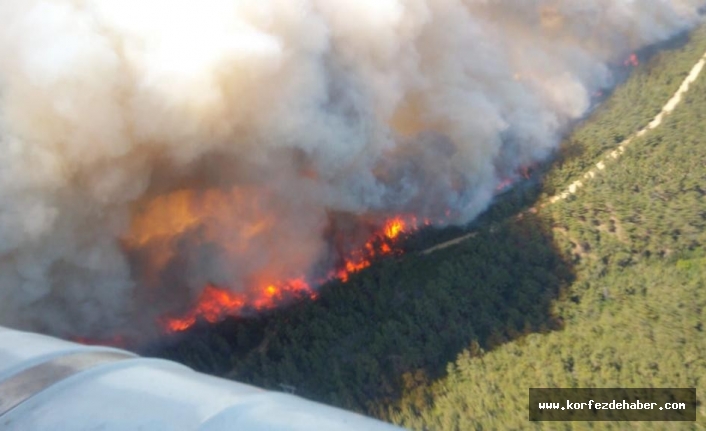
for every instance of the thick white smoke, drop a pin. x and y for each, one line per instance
(266, 119)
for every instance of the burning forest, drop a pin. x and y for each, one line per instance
(169, 162)
(214, 303)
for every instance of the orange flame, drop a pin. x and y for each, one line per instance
(214, 303)
(380, 244)
(394, 228)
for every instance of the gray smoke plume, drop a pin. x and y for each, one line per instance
(150, 147)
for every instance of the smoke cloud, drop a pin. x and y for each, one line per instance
(150, 147)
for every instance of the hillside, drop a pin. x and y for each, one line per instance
(605, 288)
(635, 238)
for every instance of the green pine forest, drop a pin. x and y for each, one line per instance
(604, 289)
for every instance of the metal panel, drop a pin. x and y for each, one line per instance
(27, 383)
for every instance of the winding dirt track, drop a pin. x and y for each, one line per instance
(656, 122)
(612, 155)
(449, 243)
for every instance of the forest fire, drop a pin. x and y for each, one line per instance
(242, 145)
(215, 303)
(381, 244)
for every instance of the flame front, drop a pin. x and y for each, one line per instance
(215, 302)
(380, 244)
(211, 305)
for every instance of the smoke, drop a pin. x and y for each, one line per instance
(150, 147)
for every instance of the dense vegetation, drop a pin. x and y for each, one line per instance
(397, 324)
(630, 107)
(603, 289)
(634, 316)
